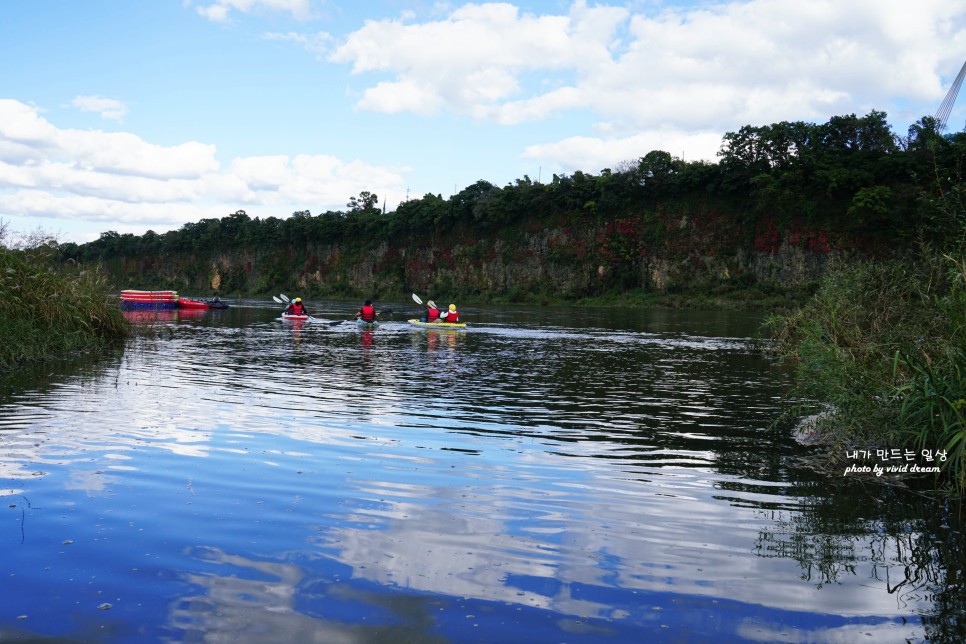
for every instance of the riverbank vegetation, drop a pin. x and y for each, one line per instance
(882, 347)
(50, 309)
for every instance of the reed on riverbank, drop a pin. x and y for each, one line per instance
(882, 345)
(49, 310)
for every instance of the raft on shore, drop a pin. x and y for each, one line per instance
(134, 300)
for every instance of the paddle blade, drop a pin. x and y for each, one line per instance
(277, 300)
(416, 299)
(284, 297)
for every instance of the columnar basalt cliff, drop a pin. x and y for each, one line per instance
(782, 203)
(559, 261)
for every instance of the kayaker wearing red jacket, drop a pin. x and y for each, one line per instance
(432, 313)
(451, 316)
(367, 312)
(295, 307)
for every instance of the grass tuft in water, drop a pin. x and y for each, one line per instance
(49, 310)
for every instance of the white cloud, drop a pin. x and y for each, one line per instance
(318, 43)
(534, 109)
(108, 108)
(312, 180)
(705, 70)
(472, 61)
(219, 11)
(591, 154)
(214, 13)
(48, 172)
(803, 51)
(45, 204)
(28, 138)
(402, 96)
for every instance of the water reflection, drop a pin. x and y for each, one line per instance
(261, 601)
(907, 546)
(604, 478)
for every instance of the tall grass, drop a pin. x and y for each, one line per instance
(932, 389)
(48, 310)
(882, 347)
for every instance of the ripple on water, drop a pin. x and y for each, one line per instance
(586, 473)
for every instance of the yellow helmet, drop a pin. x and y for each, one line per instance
(298, 300)
(452, 307)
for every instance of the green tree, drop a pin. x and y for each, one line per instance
(364, 203)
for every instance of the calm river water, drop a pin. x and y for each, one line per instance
(557, 475)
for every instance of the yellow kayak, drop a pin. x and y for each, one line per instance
(438, 325)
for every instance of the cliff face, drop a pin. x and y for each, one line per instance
(780, 204)
(654, 253)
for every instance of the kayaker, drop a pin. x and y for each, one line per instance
(367, 312)
(295, 307)
(432, 313)
(451, 316)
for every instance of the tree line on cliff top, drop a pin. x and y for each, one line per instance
(851, 175)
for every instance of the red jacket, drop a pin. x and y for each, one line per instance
(452, 317)
(295, 309)
(368, 313)
(432, 314)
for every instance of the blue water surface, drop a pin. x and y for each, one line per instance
(561, 475)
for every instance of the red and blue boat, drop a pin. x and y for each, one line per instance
(134, 300)
(188, 303)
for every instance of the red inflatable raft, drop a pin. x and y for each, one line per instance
(135, 300)
(187, 303)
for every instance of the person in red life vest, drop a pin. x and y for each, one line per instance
(432, 313)
(295, 307)
(367, 312)
(451, 316)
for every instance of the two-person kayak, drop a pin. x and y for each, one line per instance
(438, 325)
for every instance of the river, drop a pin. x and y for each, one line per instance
(546, 475)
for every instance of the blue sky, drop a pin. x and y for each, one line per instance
(136, 116)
